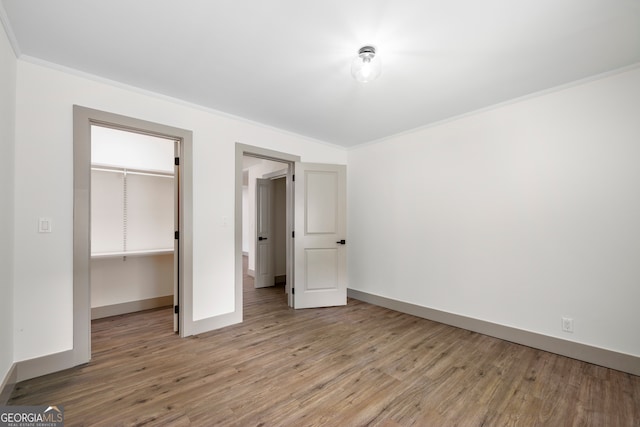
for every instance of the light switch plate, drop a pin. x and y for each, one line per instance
(44, 225)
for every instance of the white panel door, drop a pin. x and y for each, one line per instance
(264, 234)
(320, 268)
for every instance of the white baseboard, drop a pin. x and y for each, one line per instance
(131, 307)
(9, 381)
(44, 365)
(251, 273)
(596, 355)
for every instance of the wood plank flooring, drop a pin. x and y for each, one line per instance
(345, 366)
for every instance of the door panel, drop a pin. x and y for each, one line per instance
(322, 267)
(264, 234)
(320, 276)
(321, 209)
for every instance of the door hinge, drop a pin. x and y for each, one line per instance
(293, 178)
(177, 161)
(293, 291)
(293, 234)
(176, 235)
(176, 309)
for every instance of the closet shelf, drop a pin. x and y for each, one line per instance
(149, 252)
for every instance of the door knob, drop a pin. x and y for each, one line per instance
(342, 242)
(262, 238)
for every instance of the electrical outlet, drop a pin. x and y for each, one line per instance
(567, 324)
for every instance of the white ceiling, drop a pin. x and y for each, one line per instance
(286, 63)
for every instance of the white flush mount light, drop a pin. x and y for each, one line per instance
(366, 67)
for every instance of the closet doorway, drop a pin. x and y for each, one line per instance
(83, 120)
(134, 215)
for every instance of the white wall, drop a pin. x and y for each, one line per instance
(43, 187)
(114, 147)
(517, 215)
(117, 280)
(132, 212)
(150, 226)
(7, 144)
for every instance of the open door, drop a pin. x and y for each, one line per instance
(264, 234)
(176, 241)
(320, 269)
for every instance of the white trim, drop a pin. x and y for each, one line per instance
(149, 252)
(282, 173)
(596, 355)
(44, 365)
(178, 101)
(131, 307)
(498, 105)
(7, 385)
(122, 170)
(114, 83)
(8, 29)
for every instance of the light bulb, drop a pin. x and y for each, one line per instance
(366, 67)
(365, 71)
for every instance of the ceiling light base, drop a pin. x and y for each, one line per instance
(367, 66)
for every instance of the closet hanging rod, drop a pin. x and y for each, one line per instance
(132, 171)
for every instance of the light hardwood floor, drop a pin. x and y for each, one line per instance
(345, 366)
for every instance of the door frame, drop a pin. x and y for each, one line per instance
(262, 153)
(83, 119)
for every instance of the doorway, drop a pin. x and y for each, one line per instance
(247, 155)
(264, 223)
(316, 230)
(83, 120)
(134, 213)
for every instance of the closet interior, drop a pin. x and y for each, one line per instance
(133, 217)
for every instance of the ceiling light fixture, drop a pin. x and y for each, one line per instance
(366, 67)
